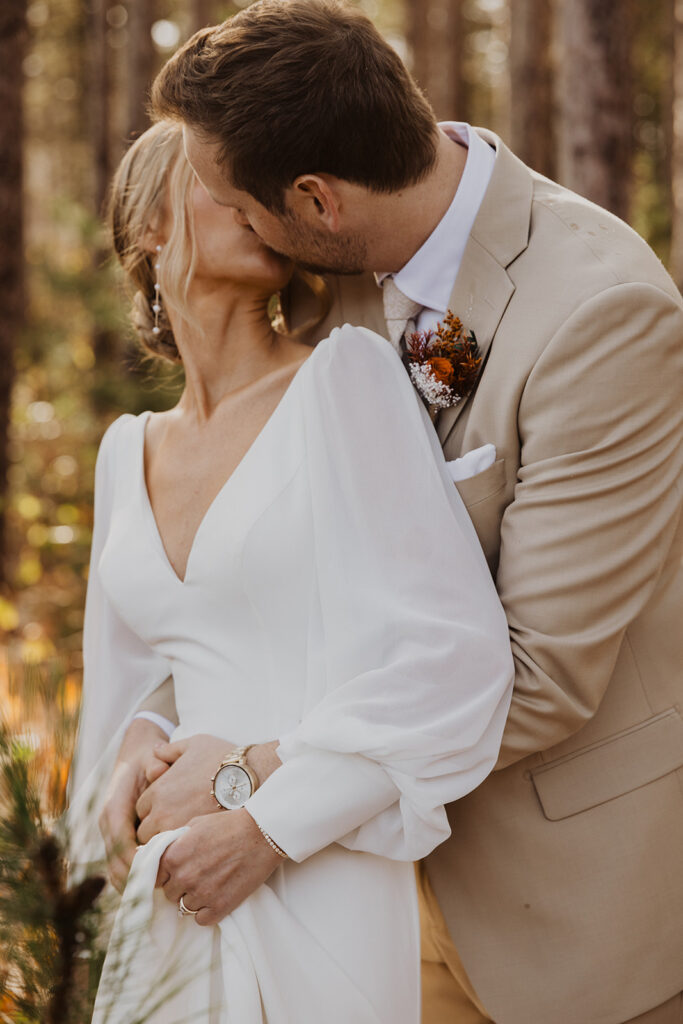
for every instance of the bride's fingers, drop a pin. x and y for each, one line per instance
(118, 869)
(170, 752)
(192, 903)
(163, 877)
(155, 768)
(169, 878)
(172, 887)
(117, 826)
(119, 860)
(205, 916)
(151, 826)
(143, 805)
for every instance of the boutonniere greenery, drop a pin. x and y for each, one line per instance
(443, 364)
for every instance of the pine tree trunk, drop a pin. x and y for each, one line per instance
(595, 136)
(99, 74)
(532, 106)
(141, 64)
(435, 32)
(12, 292)
(676, 260)
(99, 68)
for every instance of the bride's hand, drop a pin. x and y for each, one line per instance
(216, 864)
(182, 786)
(154, 767)
(117, 819)
(182, 789)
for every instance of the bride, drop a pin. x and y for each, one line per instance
(287, 545)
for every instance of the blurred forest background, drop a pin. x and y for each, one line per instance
(589, 92)
(586, 91)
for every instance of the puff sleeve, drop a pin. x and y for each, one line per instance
(418, 669)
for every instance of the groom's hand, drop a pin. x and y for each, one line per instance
(216, 864)
(118, 817)
(182, 773)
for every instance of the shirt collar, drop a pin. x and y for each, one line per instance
(428, 277)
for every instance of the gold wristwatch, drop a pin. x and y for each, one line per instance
(234, 781)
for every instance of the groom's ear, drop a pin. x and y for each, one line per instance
(317, 199)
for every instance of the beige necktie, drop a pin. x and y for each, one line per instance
(400, 312)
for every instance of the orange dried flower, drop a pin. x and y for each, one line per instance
(444, 364)
(442, 369)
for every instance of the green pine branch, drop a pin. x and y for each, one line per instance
(48, 927)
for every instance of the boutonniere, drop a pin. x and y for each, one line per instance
(443, 364)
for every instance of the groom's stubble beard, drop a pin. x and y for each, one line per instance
(320, 252)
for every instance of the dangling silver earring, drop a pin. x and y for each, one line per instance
(156, 304)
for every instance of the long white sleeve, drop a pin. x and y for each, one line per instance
(417, 658)
(119, 669)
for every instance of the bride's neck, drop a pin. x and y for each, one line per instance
(228, 344)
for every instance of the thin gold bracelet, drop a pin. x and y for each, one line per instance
(271, 842)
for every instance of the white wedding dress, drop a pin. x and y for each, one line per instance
(335, 597)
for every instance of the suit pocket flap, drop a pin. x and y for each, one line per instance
(477, 488)
(609, 769)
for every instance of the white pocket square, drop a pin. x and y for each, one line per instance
(472, 463)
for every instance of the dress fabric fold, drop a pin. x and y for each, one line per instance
(335, 597)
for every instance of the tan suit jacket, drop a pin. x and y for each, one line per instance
(562, 883)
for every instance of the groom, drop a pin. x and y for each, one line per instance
(558, 898)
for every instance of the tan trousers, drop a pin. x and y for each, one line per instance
(447, 993)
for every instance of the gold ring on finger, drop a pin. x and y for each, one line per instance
(184, 911)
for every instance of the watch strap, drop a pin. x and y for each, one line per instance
(237, 756)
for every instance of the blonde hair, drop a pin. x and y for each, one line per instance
(153, 179)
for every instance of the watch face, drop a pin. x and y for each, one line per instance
(232, 786)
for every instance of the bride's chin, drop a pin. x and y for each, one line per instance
(280, 267)
(274, 279)
(272, 271)
(267, 280)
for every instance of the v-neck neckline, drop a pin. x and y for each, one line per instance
(225, 486)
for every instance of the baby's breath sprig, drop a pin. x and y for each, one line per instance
(443, 363)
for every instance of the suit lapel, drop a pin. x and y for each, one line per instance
(483, 288)
(480, 295)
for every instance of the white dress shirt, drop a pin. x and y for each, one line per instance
(428, 277)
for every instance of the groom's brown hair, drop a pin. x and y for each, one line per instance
(289, 87)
